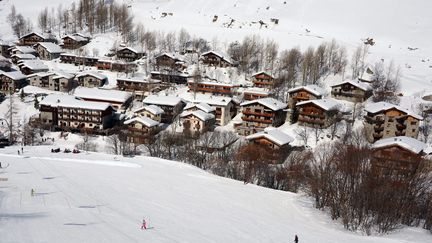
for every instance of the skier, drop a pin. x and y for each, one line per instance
(32, 192)
(18, 151)
(22, 150)
(0, 165)
(144, 224)
(295, 239)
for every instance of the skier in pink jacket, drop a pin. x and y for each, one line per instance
(144, 224)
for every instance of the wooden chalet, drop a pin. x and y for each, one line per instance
(74, 41)
(141, 130)
(197, 122)
(384, 120)
(138, 85)
(168, 61)
(48, 50)
(397, 156)
(171, 105)
(353, 91)
(129, 54)
(263, 80)
(117, 66)
(215, 59)
(261, 113)
(33, 38)
(225, 108)
(91, 79)
(273, 139)
(213, 88)
(153, 112)
(299, 94)
(11, 82)
(318, 113)
(170, 77)
(32, 66)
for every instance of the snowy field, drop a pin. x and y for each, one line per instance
(103, 198)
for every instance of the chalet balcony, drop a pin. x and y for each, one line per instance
(374, 120)
(309, 120)
(213, 90)
(378, 129)
(251, 119)
(265, 114)
(377, 135)
(400, 133)
(346, 94)
(401, 127)
(263, 82)
(312, 115)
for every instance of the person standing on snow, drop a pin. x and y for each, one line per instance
(295, 239)
(144, 224)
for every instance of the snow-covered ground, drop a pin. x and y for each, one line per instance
(103, 198)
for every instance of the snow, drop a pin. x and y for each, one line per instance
(360, 85)
(277, 136)
(23, 49)
(326, 104)
(201, 106)
(409, 143)
(215, 83)
(37, 90)
(61, 74)
(312, 88)
(143, 120)
(15, 75)
(34, 65)
(95, 74)
(153, 109)
(102, 94)
(203, 116)
(206, 98)
(224, 57)
(162, 100)
(51, 47)
(92, 197)
(262, 72)
(69, 101)
(270, 103)
(24, 56)
(383, 106)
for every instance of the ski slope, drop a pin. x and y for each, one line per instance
(103, 198)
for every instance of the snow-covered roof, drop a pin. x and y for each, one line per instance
(215, 83)
(255, 90)
(33, 64)
(15, 75)
(201, 106)
(44, 36)
(51, 47)
(95, 74)
(170, 55)
(23, 49)
(41, 74)
(409, 143)
(384, 106)
(267, 102)
(75, 37)
(262, 72)
(357, 84)
(102, 94)
(312, 88)
(143, 120)
(326, 104)
(27, 56)
(130, 49)
(162, 100)
(208, 99)
(61, 74)
(219, 54)
(367, 75)
(153, 109)
(69, 101)
(138, 78)
(203, 116)
(277, 136)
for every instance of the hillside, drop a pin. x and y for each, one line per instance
(97, 197)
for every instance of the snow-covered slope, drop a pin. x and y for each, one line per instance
(101, 198)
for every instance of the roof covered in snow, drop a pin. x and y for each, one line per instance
(102, 94)
(75, 38)
(409, 143)
(219, 54)
(94, 74)
(312, 88)
(143, 120)
(153, 109)
(262, 72)
(50, 47)
(384, 106)
(203, 116)
(326, 104)
(35, 65)
(358, 84)
(41, 74)
(15, 75)
(200, 106)
(267, 102)
(23, 49)
(44, 36)
(162, 100)
(208, 99)
(367, 75)
(69, 101)
(276, 136)
(27, 56)
(61, 74)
